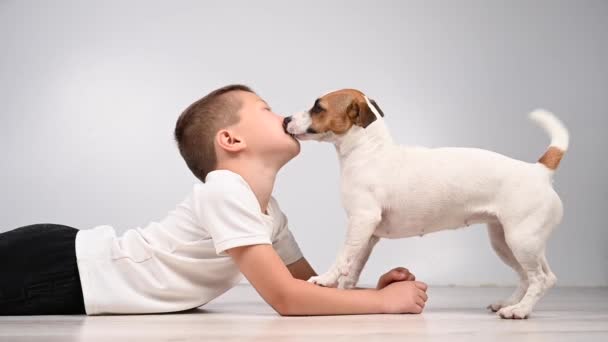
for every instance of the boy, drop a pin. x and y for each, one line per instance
(229, 225)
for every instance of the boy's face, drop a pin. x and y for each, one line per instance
(262, 130)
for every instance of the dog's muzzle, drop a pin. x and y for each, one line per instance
(298, 126)
(285, 123)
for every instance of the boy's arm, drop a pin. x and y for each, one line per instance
(265, 270)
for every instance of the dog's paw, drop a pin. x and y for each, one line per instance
(516, 311)
(347, 283)
(494, 307)
(326, 280)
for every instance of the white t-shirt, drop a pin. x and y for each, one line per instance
(180, 262)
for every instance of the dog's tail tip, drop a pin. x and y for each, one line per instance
(560, 137)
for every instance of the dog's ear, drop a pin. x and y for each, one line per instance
(361, 114)
(377, 107)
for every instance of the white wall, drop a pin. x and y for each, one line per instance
(90, 92)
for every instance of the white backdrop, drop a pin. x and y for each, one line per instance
(90, 92)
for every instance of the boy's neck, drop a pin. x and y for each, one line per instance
(259, 177)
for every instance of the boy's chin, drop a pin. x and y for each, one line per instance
(292, 140)
(294, 147)
(286, 149)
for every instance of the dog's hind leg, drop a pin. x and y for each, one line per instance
(497, 240)
(551, 279)
(527, 241)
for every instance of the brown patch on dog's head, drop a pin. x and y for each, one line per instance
(338, 111)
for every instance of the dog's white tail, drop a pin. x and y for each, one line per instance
(559, 137)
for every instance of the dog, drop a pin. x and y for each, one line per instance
(392, 191)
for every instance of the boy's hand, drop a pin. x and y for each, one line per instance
(403, 297)
(396, 274)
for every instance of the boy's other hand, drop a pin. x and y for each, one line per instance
(396, 274)
(404, 297)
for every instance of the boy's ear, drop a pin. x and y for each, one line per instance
(229, 141)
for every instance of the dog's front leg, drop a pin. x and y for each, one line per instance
(349, 263)
(349, 281)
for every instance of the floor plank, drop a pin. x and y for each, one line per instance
(452, 314)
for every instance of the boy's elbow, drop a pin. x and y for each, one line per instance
(282, 309)
(288, 309)
(283, 303)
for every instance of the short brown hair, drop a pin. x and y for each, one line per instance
(196, 127)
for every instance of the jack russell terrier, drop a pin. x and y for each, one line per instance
(392, 191)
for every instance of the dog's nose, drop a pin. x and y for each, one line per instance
(285, 123)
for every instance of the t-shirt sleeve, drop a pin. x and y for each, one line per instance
(231, 214)
(283, 240)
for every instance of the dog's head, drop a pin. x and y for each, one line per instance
(333, 114)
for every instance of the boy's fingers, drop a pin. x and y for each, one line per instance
(399, 274)
(402, 274)
(393, 276)
(420, 302)
(423, 295)
(421, 285)
(388, 278)
(396, 274)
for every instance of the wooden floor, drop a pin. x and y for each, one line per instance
(452, 314)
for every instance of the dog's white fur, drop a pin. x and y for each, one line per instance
(393, 191)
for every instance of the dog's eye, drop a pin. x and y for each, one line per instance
(316, 108)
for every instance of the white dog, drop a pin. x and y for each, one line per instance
(393, 191)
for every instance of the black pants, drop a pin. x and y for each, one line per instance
(38, 271)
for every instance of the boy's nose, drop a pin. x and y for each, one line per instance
(285, 123)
